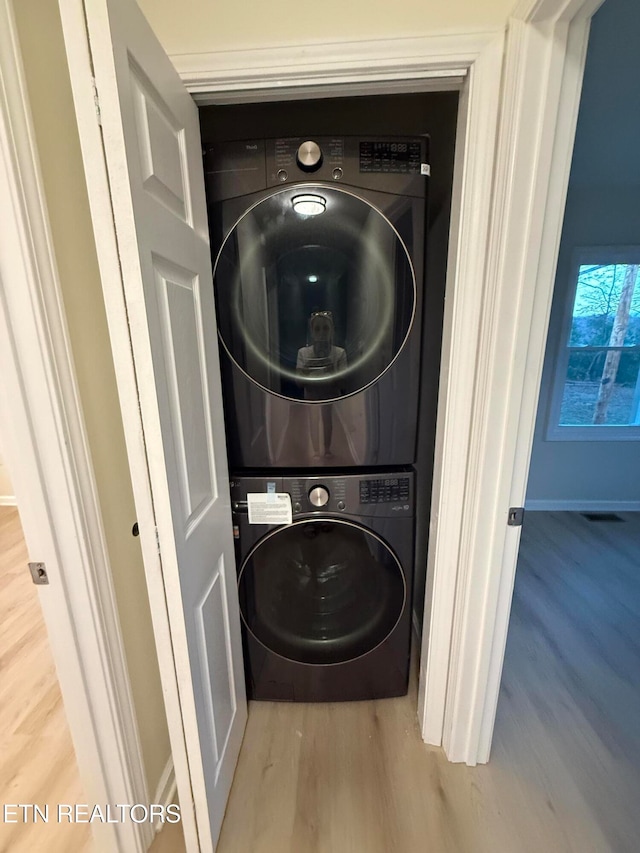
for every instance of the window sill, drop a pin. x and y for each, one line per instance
(593, 433)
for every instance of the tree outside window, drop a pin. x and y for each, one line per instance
(597, 386)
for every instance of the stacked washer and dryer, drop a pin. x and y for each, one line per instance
(318, 252)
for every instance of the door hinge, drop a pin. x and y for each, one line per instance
(516, 516)
(39, 573)
(157, 540)
(96, 100)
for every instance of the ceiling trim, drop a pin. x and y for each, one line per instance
(283, 69)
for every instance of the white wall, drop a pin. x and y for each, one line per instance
(7, 497)
(200, 26)
(602, 209)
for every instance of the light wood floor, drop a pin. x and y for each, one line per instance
(37, 762)
(565, 768)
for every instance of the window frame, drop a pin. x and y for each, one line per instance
(584, 432)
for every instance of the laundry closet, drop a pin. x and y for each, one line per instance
(329, 221)
(309, 388)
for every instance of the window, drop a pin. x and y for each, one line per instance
(596, 388)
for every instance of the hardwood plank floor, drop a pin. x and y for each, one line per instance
(37, 761)
(572, 668)
(565, 769)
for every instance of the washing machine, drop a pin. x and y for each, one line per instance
(325, 597)
(318, 249)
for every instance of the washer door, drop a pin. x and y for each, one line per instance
(316, 293)
(321, 591)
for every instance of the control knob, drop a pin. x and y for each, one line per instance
(319, 496)
(309, 156)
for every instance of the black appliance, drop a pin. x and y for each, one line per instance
(318, 252)
(326, 600)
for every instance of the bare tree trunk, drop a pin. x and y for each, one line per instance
(620, 325)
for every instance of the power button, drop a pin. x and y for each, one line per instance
(341, 504)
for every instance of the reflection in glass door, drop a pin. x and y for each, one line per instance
(322, 591)
(318, 298)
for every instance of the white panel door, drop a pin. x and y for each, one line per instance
(153, 152)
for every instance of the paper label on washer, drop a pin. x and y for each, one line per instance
(269, 508)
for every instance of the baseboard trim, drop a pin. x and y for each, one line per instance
(8, 500)
(166, 791)
(582, 506)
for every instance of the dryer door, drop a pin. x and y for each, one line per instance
(321, 591)
(316, 292)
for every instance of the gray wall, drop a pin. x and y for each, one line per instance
(603, 208)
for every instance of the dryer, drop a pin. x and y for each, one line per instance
(325, 601)
(318, 253)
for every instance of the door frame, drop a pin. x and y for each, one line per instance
(544, 66)
(520, 93)
(44, 439)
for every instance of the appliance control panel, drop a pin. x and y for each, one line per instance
(396, 157)
(376, 494)
(392, 164)
(385, 490)
(294, 159)
(292, 156)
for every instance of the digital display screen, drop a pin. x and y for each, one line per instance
(387, 148)
(394, 157)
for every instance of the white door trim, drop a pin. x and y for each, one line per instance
(44, 437)
(544, 63)
(474, 61)
(299, 70)
(510, 186)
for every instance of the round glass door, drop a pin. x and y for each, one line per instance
(321, 591)
(316, 293)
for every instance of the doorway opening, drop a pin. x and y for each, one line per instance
(570, 671)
